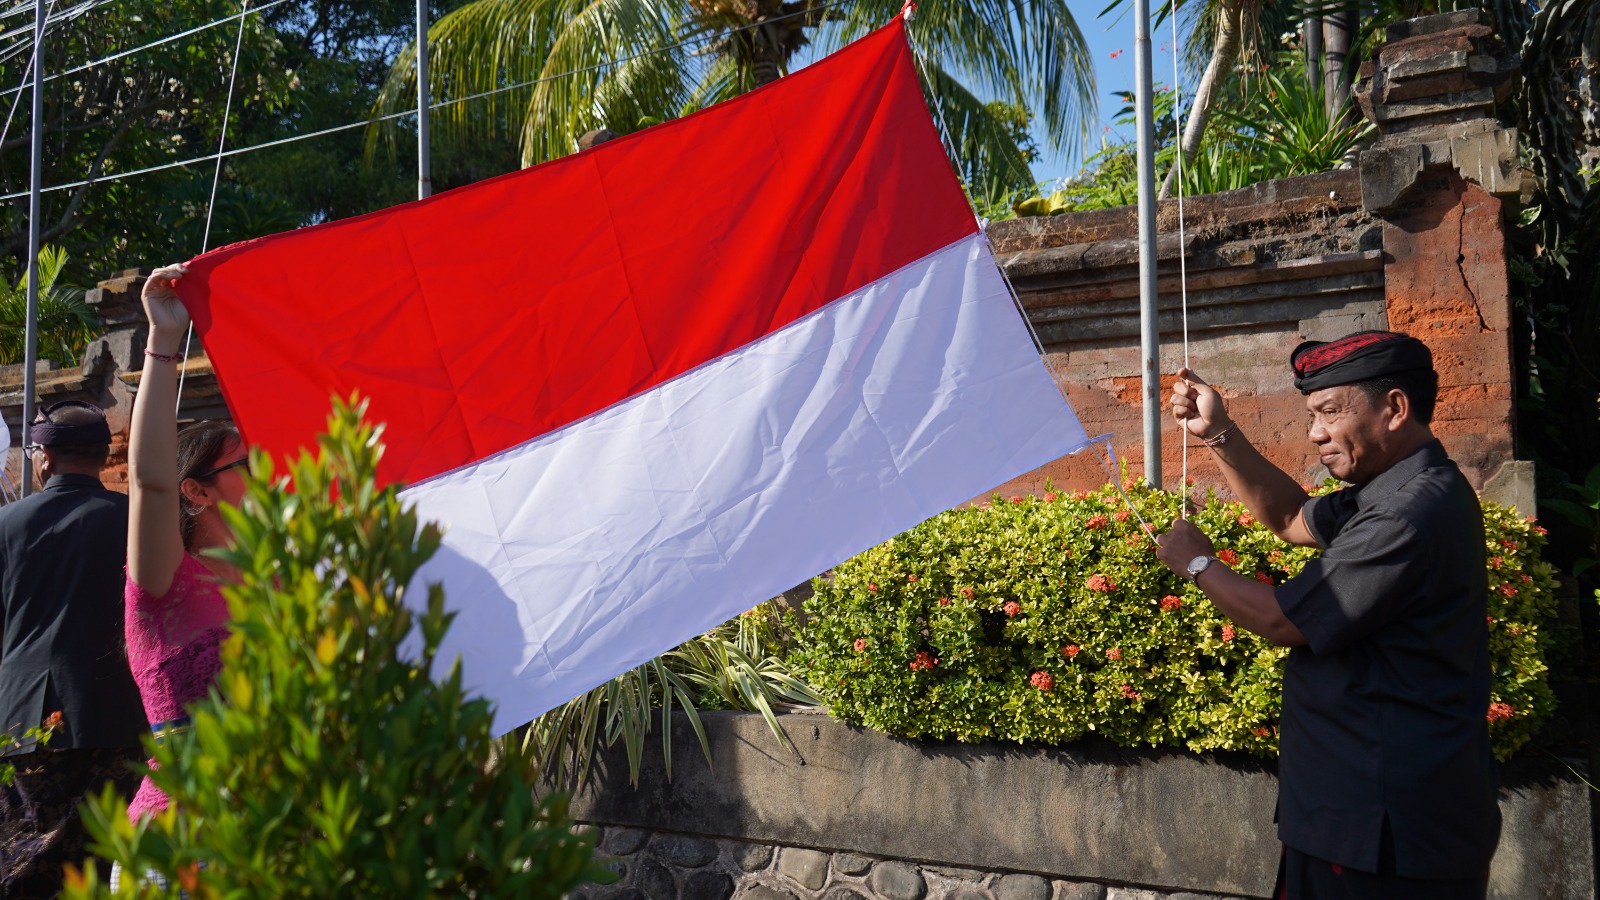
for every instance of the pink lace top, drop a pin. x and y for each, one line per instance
(173, 650)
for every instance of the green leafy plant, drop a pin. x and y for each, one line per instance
(65, 324)
(737, 665)
(34, 738)
(328, 761)
(1047, 618)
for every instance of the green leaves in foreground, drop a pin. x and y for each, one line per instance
(328, 762)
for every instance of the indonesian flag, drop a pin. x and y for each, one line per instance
(650, 385)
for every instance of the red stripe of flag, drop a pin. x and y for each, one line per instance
(489, 315)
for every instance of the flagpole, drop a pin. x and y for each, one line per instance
(1149, 334)
(30, 353)
(424, 151)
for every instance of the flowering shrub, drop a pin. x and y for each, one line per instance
(1043, 619)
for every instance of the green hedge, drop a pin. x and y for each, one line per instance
(1044, 618)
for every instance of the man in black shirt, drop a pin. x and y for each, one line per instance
(1386, 781)
(61, 650)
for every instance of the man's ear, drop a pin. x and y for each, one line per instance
(1398, 407)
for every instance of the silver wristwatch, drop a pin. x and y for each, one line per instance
(1197, 565)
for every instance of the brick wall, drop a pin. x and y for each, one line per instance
(1411, 238)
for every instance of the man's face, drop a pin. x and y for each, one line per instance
(1351, 432)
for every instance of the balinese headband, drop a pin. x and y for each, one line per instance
(1362, 356)
(54, 434)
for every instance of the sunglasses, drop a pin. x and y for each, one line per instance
(242, 462)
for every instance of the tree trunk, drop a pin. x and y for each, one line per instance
(1338, 30)
(1311, 41)
(1224, 51)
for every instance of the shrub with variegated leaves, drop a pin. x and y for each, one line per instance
(1045, 618)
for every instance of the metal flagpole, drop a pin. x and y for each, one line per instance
(1149, 334)
(424, 164)
(30, 354)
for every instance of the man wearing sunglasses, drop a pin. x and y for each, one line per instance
(61, 650)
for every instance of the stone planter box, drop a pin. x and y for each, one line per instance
(852, 813)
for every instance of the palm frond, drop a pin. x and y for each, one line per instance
(1031, 54)
(985, 148)
(728, 667)
(65, 323)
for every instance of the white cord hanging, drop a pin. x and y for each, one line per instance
(1183, 254)
(1056, 376)
(216, 177)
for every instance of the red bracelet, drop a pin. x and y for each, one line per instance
(163, 357)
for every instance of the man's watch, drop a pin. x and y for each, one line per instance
(1197, 565)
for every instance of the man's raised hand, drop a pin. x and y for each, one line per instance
(1197, 406)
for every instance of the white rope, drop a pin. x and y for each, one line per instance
(216, 177)
(51, 20)
(1056, 376)
(153, 44)
(18, 101)
(109, 179)
(1183, 254)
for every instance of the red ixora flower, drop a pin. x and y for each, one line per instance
(1097, 522)
(54, 720)
(1496, 562)
(924, 660)
(967, 593)
(1128, 693)
(1501, 711)
(1114, 654)
(1508, 590)
(1130, 483)
(1541, 530)
(1042, 680)
(872, 587)
(1120, 515)
(1080, 495)
(1099, 582)
(1171, 601)
(913, 578)
(1261, 731)
(1011, 608)
(1071, 650)
(1228, 556)
(1264, 578)
(1247, 520)
(1015, 499)
(944, 601)
(860, 644)
(1050, 496)
(1227, 632)
(1508, 544)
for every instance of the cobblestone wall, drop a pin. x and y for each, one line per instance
(665, 866)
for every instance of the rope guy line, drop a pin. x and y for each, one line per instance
(238, 151)
(153, 44)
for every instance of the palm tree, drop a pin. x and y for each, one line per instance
(66, 323)
(626, 64)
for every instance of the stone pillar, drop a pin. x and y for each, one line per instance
(1438, 177)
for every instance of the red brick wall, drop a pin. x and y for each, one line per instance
(1444, 280)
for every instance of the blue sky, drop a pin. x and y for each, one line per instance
(1111, 47)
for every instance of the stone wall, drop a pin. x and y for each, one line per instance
(847, 813)
(665, 866)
